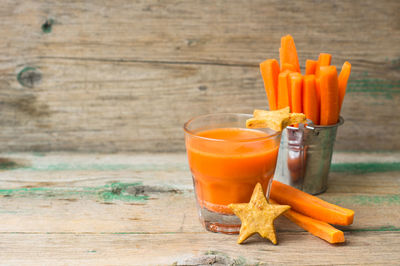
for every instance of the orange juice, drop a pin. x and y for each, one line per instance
(226, 164)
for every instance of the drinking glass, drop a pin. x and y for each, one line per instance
(227, 161)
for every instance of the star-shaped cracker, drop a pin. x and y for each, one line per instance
(277, 120)
(258, 216)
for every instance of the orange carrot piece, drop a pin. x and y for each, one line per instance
(323, 60)
(283, 90)
(310, 66)
(318, 90)
(329, 95)
(296, 87)
(342, 82)
(310, 99)
(290, 67)
(288, 53)
(288, 87)
(269, 72)
(310, 205)
(315, 227)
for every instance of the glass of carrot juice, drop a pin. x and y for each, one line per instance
(227, 160)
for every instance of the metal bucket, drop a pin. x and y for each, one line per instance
(305, 155)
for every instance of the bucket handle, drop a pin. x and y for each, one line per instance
(310, 125)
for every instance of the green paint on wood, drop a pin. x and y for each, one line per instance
(47, 26)
(42, 164)
(123, 192)
(9, 165)
(107, 193)
(388, 228)
(363, 168)
(24, 70)
(29, 77)
(365, 200)
(367, 151)
(97, 167)
(354, 168)
(8, 212)
(373, 85)
(38, 154)
(396, 63)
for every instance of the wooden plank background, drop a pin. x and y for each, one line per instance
(124, 75)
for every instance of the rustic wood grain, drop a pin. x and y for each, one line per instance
(125, 75)
(61, 208)
(366, 248)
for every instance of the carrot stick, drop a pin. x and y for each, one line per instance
(318, 91)
(315, 227)
(310, 100)
(288, 87)
(283, 90)
(320, 229)
(329, 95)
(342, 82)
(309, 205)
(290, 67)
(323, 60)
(296, 87)
(288, 53)
(310, 66)
(269, 72)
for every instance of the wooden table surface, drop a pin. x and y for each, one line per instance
(139, 209)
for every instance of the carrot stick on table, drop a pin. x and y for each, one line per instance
(342, 82)
(283, 90)
(310, 66)
(310, 99)
(296, 87)
(288, 53)
(269, 72)
(320, 229)
(310, 205)
(323, 60)
(329, 95)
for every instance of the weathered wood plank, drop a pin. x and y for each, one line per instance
(125, 76)
(129, 192)
(19, 170)
(228, 32)
(362, 248)
(60, 210)
(137, 115)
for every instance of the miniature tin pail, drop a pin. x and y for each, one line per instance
(305, 155)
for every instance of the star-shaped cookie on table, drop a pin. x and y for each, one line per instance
(258, 216)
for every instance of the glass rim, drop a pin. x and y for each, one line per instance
(191, 133)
